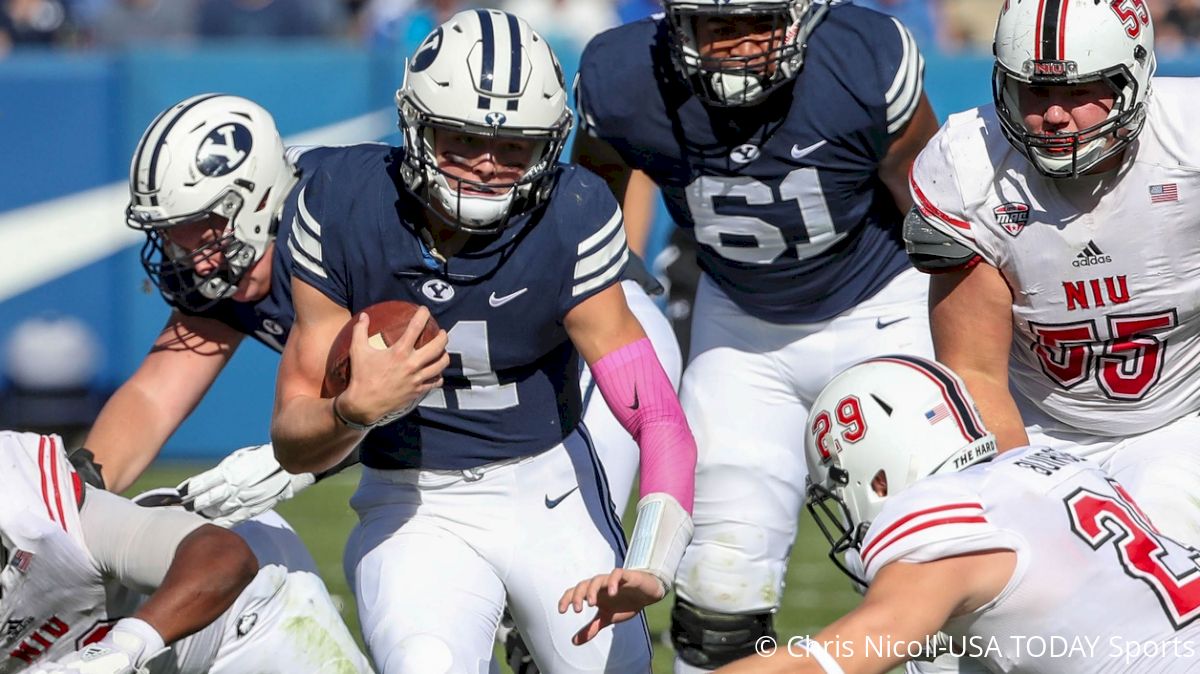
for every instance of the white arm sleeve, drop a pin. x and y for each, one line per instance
(132, 544)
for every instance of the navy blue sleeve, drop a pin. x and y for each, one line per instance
(877, 60)
(317, 253)
(592, 236)
(615, 89)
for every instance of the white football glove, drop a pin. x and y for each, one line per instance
(127, 649)
(246, 483)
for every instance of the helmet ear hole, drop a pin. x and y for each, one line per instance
(839, 475)
(879, 484)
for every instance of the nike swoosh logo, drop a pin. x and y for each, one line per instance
(553, 503)
(636, 403)
(881, 324)
(801, 153)
(498, 301)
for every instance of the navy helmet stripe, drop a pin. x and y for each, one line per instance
(162, 138)
(486, 72)
(953, 394)
(514, 74)
(137, 162)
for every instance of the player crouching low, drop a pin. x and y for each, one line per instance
(78, 563)
(999, 553)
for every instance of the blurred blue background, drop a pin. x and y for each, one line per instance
(75, 99)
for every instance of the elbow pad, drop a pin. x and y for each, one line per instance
(933, 251)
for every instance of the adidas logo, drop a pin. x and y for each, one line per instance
(1091, 255)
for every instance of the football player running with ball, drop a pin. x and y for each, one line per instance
(480, 484)
(781, 134)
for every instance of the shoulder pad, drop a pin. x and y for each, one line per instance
(932, 251)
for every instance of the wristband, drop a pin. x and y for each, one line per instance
(352, 425)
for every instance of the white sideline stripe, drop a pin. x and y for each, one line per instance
(49, 239)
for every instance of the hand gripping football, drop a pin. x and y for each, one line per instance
(388, 322)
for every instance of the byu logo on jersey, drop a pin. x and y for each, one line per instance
(272, 327)
(224, 149)
(437, 290)
(744, 154)
(428, 52)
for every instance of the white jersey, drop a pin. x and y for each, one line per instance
(1096, 589)
(55, 599)
(1105, 272)
(52, 594)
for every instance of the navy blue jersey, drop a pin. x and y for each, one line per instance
(784, 198)
(512, 386)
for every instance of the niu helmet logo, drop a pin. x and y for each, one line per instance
(224, 149)
(1054, 68)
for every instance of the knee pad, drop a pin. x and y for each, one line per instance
(709, 640)
(742, 576)
(421, 654)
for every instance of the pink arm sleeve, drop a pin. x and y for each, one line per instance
(641, 397)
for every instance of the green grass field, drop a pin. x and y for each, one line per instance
(816, 591)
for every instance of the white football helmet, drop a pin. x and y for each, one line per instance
(733, 81)
(877, 428)
(212, 154)
(1066, 43)
(483, 72)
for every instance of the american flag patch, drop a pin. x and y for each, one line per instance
(1163, 193)
(938, 413)
(21, 560)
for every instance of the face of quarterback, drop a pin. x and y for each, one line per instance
(195, 240)
(479, 165)
(1064, 109)
(749, 40)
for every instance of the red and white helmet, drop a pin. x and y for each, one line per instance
(877, 428)
(212, 154)
(1071, 42)
(483, 72)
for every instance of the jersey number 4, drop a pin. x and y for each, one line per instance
(469, 341)
(1167, 567)
(743, 218)
(1126, 366)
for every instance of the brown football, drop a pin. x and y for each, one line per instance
(388, 322)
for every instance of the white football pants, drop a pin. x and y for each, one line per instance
(284, 622)
(747, 392)
(436, 554)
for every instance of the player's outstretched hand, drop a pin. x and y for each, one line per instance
(388, 383)
(246, 483)
(618, 595)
